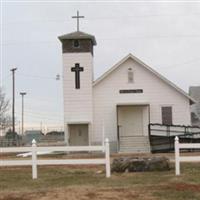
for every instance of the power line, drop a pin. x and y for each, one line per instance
(129, 17)
(153, 36)
(42, 113)
(48, 115)
(29, 43)
(40, 77)
(108, 39)
(180, 64)
(41, 99)
(38, 117)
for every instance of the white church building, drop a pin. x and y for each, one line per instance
(118, 105)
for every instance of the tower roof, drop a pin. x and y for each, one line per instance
(77, 35)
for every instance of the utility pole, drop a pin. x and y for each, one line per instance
(22, 94)
(19, 127)
(13, 99)
(41, 126)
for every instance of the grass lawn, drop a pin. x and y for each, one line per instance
(84, 183)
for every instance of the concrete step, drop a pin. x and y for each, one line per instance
(134, 150)
(134, 141)
(141, 138)
(135, 144)
(131, 147)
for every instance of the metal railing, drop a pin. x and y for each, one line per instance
(162, 136)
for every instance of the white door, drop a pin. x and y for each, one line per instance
(78, 135)
(130, 121)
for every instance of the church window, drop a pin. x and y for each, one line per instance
(130, 75)
(76, 43)
(166, 115)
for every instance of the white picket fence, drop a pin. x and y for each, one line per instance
(179, 158)
(34, 162)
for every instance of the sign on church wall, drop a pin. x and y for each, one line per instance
(130, 91)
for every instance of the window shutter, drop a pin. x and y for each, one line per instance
(167, 115)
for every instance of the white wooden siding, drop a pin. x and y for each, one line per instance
(77, 102)
(155, 93)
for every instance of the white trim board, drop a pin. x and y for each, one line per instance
(133, 104)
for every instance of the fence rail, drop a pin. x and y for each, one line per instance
(34, 162)
(179, 158)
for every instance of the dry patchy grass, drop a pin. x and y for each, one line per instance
(83, 183)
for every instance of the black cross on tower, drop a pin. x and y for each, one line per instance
(77, 17)
(77, 69)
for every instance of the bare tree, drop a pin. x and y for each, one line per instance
(5, 119)
(198, 109)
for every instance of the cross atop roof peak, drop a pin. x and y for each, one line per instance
(77, 17)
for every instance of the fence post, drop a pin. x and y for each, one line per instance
(34, 159)
(107, 155)
(177, 156)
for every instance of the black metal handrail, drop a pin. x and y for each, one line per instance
(165, 140)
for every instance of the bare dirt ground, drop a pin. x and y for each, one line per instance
(82, 193)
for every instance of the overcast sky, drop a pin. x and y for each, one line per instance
(166, 36)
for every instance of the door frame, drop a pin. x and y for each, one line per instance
(79, 123)
(117, 117)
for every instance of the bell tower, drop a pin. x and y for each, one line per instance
(77, 53)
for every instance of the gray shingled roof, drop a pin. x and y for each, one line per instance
(77, 35)
(194, 91)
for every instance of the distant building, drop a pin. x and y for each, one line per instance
(194, 92)
(54, 136)
(29, 135)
